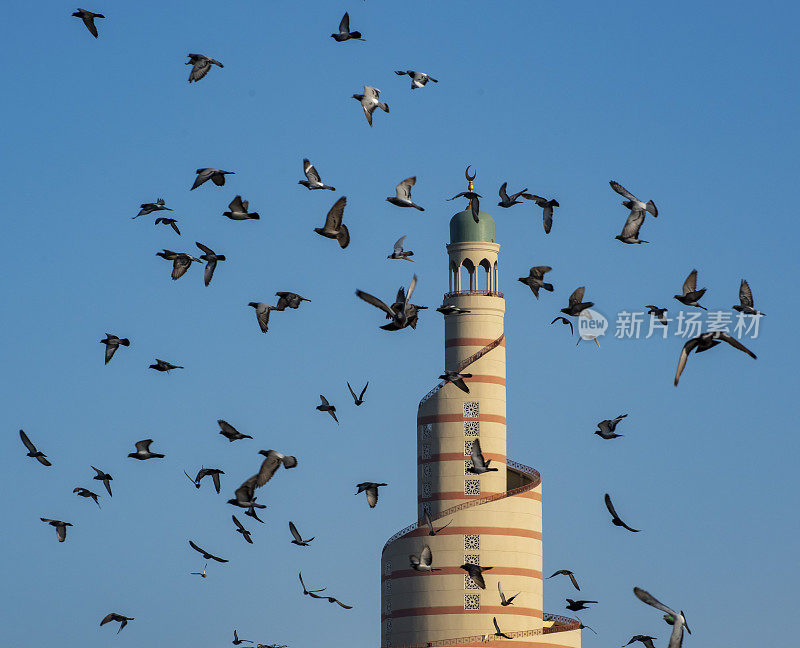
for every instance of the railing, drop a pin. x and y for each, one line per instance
(560, 623)
(490, 293)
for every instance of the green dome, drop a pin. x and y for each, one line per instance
(463, 227)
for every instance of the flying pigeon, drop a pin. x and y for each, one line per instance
(269, 466)
(403, 194)
(85, 492)
(163, 365)
(312, 181)
(401, 313)
(149, 208)
(690, 295)
(217, 176)
(205, 472)
(143, 451)
(647, 640)
(474, 203)
(88, 19)
(168, 221)
(449, 309)
(306, 591)
(32, 451)
(262, 314)
(240, 529)
(181, 262)
(457, 379)
(230, 432)
(371, 491)
(497, 632)
(632, 202)
(503, 600)
(113, 616)
(418, 79)
(576, 303)
(577, 605)
(607, 427)
(567, 572)
(297, 538)
(369, 102)
(360, 398)
(678, 620)
(547, 209)
(211, 258)
(399, 253)
(660, 313)
(288, 300)
(476, 573)
(479, 464)
(205, 554)
(745, 306)
(244, 498)
(423, 561)
(61, 528)
(630, 231)
(426, 518)
(344, 31)
(334, 227)
(112, 343)
(535, 280)
(615, 519)
(201, 574)
(236, 641)
(240, 210)
(564, 321)
(704, 342)
(508, 201)
(201, 64)
(105, 478)
(325, 406)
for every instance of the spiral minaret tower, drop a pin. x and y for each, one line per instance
(495, 519)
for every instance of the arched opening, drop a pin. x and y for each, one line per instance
(468, 282)
(488, 282)
(453, 277)
(496, 282)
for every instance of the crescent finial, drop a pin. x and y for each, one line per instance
(466, 173)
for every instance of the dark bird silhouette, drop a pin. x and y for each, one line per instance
(288, 300)
(113, 616)
(88, 19)
(163, 365)
(509, 201)
(360, 398)
(607, 427)
(547, 209)
(149, 208)
(236, 641)
(479, 464)
(371, 491)
(201, 64)
(474, 202)
(497, 632)
(449, 309)
(678, 620)
(577, 605)
(333, 599)
(334, 228)
(582, 627)
(313, 180)
(647, 640)
(535, 280)
(690, 295)
(476, 573)
(503, 600)
(105, 478)
(205, 554)
(230, 432)
(564, 321)
(402, 197)
(143, 451)
(402, 313)
(217, 176)
(297, 538)
(370, 100)
(181, 262)
(168, 221)
(426, 518)
(61, 528)
(344, 33)
(113, 343)
(205, 472)
(704, 342)
(244, 497)
(262, 314)
(660, 313)
(251, 512)
(201, 574)
(632, 202)
(211, 258)
(306, 591)
(567, 572)
(418, 79)
(240, 210)
(85, 492)
(33, 453)
(576, 303)
(745, 305)
(240, 529)
(423, 561)
(457, 379)
(325, 406)
(615, 519)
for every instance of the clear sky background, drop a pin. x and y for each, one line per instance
(694, 106)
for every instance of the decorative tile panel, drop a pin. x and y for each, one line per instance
(468, 447)
(426, 430)
(471, 409)
(472, 428)
(472, 559)
(427, 471)
(467, 465)
(426, 451)
(387, 586)
(388, 629)
(472, 601)
(387, 568)
(426, 489)
(469, 583)
(387, 606)
(472, 486)
(472, 542)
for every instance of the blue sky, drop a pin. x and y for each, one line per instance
(692, 106)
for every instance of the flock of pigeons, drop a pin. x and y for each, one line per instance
(402, 313)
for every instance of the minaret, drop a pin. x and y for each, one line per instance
(494, 519)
